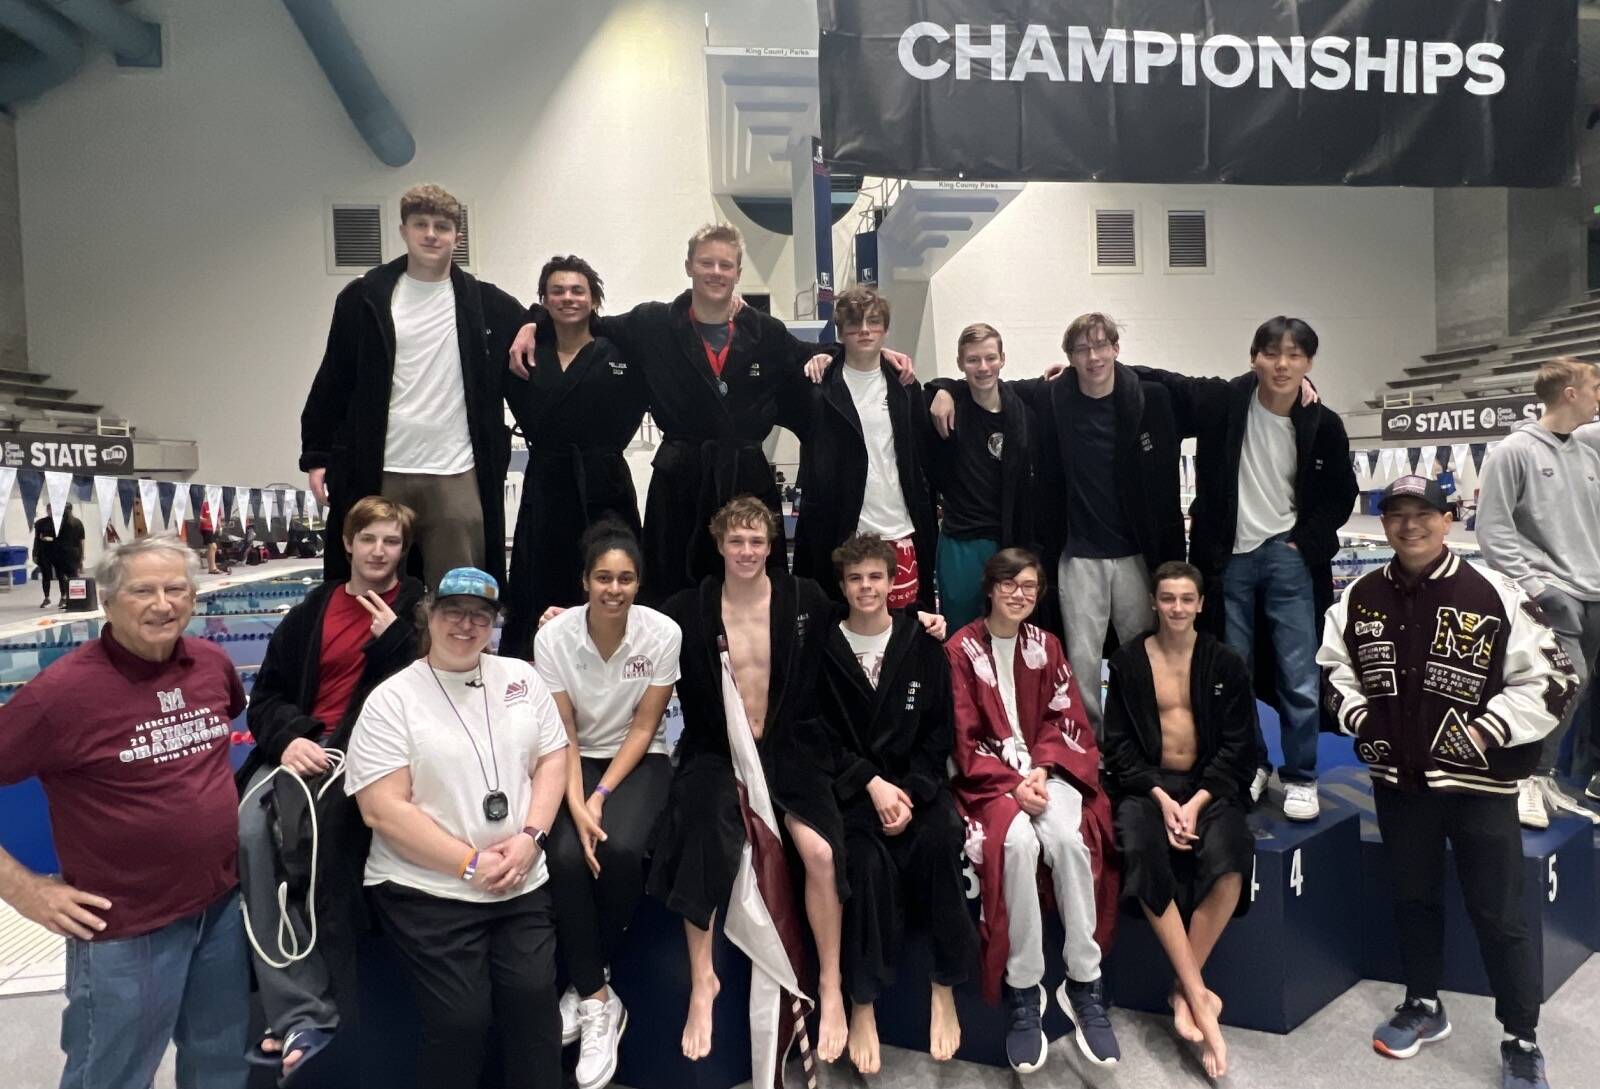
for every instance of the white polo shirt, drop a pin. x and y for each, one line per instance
(605, 694)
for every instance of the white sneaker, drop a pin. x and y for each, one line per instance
(569, 1016)
(1300, 801)
(1557, 800)
(1258, 784)
(602, 1025)
(1531, 812)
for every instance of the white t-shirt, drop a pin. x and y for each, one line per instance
(869, 650)
(883, 506)
(1005, 669)
(406, 724)
(1266, 478)
(605, 694)
(427, 402)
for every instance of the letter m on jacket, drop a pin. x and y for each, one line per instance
(1465, 635)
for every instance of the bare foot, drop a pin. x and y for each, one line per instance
(944, 1028)
(1213, 1051)
(864, 1038)
(697, 1026)
(1182, 1019)
(831, 1032)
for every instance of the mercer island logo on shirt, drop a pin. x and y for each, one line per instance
(637, 668)
(170, 701)
(516, 692)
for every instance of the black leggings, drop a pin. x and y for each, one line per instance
(592, 913)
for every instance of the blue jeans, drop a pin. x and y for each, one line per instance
(1276, 574)
(188, 982)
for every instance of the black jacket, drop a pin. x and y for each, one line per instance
(344, 424)
(1216, 412)
(1018, 459)
(710, 441)
(1227, 734)
(903, 729)
(286, 684)
(1145, 465)
(44, 542)
(833, 476)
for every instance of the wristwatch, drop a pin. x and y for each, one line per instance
(538, 835)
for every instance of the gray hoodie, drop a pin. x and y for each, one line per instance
(1539, 510)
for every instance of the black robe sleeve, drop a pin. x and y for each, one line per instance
(329, 397)
(275, 716)
(1125, 761)
(1198, 404)
(1231, 767)
(937, 727)
(1332, 500)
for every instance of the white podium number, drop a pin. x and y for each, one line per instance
(1297, 877)
(1255, 887)
(1552, 880)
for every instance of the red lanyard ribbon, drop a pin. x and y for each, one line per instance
(718, 360)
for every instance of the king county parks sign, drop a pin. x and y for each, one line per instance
(1489, 418)
(81, 455)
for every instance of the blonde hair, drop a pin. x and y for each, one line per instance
(744, 512)
(1555, 376)
(717, 232)
(977, 333)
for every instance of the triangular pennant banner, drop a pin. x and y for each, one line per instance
(269, 510)
(180, 508)
(214, 506)
(105, 494)
(313, 508)
(165, 490)
(241, 507)
(291, 503)
(127, 492)
(58, 486)
(30, 482)
(150, 503)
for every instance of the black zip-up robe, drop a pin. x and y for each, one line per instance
(1220, 697)
(1215, 412)
(1145, 465)
(345, 422)
(833, 476)
(701, 834)
(902, 730)
(710, 447)
(576, 423)
(280, 711)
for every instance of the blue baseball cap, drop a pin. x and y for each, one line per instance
(469, 582)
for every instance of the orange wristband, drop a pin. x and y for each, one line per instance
(465, 862)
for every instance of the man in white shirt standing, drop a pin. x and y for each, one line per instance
(862, 457)
(1539, 525)
(407, 401)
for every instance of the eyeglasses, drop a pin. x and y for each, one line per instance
(1009, 587)
(1098, 347)
(457, 614)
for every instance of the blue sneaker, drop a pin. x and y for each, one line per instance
(1025, 1040)
(1085, 1006)
(1522, 1066)
(1412, 1025)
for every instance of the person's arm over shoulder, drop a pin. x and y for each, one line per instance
(625, 329)
(1125, 763)
(275, 716)
(1238, 749)
(1198, 404)
(1500, 487)
(1538, 676)
(329, 396)
(1341, 685)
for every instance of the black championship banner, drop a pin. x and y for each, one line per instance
(1486, 418)
(81, 455)
(1292, 92)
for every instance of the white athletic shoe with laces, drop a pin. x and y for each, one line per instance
(1531, 812)
(569, 1016)
(1557, 800)
(1300, 801)
(601, 1024)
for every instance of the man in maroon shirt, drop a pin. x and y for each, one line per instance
(129, 737)
(325, 656)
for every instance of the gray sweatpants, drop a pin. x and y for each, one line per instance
(301, 995)
(449, 524)
(1056, 834)
(1577, 626)
(1095, 593)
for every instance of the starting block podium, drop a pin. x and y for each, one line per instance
(1295, 950)
(1558, 896)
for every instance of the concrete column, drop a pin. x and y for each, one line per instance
(13, 312)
